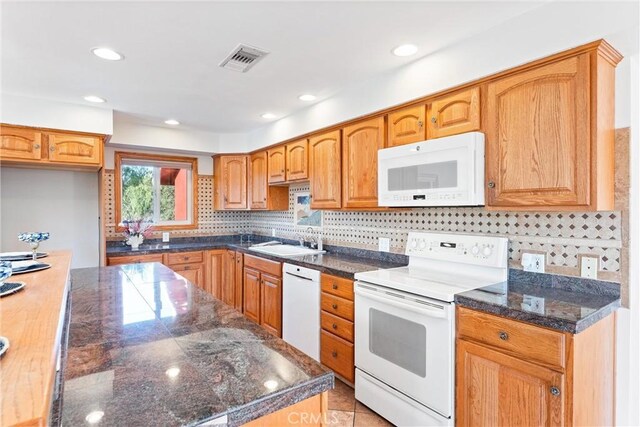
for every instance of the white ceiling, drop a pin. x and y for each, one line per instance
(172, 51)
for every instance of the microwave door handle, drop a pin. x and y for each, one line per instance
(396, 302)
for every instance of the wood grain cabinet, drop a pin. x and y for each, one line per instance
(336, 319)
(230, 182)
(297, 160)
(73, 148)
(406, 126)
(277, 165)
(232, 279)
(325, 163)
(20, 143)
(215, 264)
(513, 373)
(549, 134)
(262, 196)
(360, 145)
(454, 114)
(190, 265)
(134, 259)
(262, 299)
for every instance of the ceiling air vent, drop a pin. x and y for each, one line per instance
(243, 57)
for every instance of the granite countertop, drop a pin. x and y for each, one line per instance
(146, 347)
(564, 303)
(338, 261)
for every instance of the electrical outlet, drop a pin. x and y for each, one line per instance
(532, 304)
(165, 236)
(533, 262)
(273, 232)
(589, 266)
(384, 244)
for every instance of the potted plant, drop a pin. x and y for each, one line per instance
(135, 231)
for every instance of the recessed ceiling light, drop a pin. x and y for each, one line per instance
(96, 99)
(268, 116)
(94, 417)
(106, 53)
(405, 50)
(307, 97)
(172, 122)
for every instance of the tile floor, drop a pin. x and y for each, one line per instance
(345, 411)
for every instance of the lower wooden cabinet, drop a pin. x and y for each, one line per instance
(262, 297)
(215, 261)
(509, 373)
(192, 272)
(134, 259)
(336, 320)
(190, 265)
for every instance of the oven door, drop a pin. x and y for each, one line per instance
(406, 341)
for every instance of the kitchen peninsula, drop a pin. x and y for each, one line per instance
(146, 347)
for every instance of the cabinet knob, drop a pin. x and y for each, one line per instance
(264, 199)
(52, 149)
(334, 286)
(186, 267)
(334, 326)
(503, 335)
(37, 146)
(420, 123)
(334, 353)
(491, 184)
(433, 119)
(555, 391)
(186, 258)
(335, 306)
(282, 171)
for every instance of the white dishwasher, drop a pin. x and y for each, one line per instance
(301, 309)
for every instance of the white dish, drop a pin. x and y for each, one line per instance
(12, 291)
(33, 266)
(20, 256)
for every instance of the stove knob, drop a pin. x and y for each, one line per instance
(486, 251)
(475, 250)
(422, 244)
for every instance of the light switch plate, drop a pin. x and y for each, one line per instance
(165, 236)
(273, 232)
(384, 244)
(589, 266)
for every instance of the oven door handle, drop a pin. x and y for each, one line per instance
(417, 307)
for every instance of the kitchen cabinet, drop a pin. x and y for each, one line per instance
(192, 272)
(232, 279)
(230, 182)
(360, 145)
(263, 293)
(33, 147)
(513, 373)
(262, 196)
(190, 265)
(325, 169)
(406, 126)
(297, 160)
(336, 320)
(549, 135)
(134, 259)
(454, 114)
(215, 264)
(277, 164)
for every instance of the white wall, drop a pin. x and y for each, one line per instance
(205, 163)
(21, 110)
(63, 203)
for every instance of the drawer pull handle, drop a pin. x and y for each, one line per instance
(503, 335)
(334, 326)
(335, 306)
(186, 258)
(555, 391)
(334, 286)
(37, 146)
(334, 353)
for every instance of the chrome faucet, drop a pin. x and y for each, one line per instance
(313, 241)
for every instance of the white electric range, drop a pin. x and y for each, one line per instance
(405, 324)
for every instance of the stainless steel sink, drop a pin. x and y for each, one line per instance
(285, 250)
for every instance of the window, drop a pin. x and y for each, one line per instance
(162, 189)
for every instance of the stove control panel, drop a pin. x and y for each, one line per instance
(464, 248)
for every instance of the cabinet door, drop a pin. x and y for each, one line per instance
(70, 148)
(406, 126)
(538, 136)
(239, 281)
(297, 160)
(215, 276)
(20, 143)
(134, 259)
(258, 181)
(454, 114)
(495, 389)
(251, 294)
(360, 146)
(277, 165)
(324, 160)
(271, 307)
(229, 278)
(234, 176)
(192, 272)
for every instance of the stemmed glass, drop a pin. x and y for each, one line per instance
(34, 239)
(5, 271)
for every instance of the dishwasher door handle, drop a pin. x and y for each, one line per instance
(299, 277)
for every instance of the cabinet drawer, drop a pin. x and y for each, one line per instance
(337, 325)
(337, 286)
(338, 306)
(135, 259)
(337, 354)
(528, 342)
(267, 266)
(184, 257)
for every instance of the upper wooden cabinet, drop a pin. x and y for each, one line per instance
(360, 146)
(230, 182)
(406, 126)
(549, 135)
(277, 165)
(261, 195)
(454, 114)
(50, 149)
(324, 160)
(297, 160)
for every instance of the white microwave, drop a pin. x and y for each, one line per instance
(445, 171)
